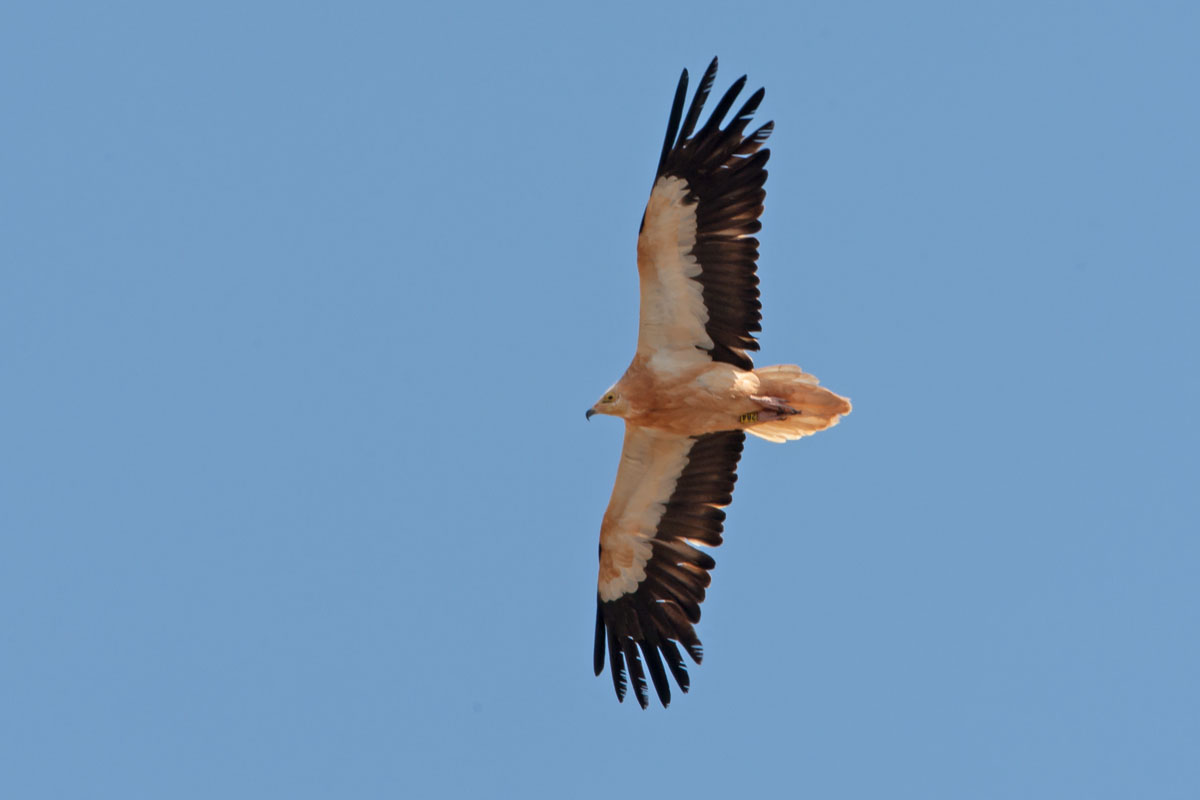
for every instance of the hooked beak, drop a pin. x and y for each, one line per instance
(590, 413)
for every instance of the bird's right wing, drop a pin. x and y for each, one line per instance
(668, 496)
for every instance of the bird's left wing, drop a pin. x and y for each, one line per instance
(668, 496)
(696, 249)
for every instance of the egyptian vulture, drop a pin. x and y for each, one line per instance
(692, 393)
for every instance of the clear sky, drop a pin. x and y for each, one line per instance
(301, 306)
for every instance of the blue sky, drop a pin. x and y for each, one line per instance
(301, 306)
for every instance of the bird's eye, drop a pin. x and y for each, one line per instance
(608, 398)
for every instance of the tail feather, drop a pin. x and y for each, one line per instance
(818, 407)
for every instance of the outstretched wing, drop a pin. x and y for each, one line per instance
(696, 249)
(668, 496)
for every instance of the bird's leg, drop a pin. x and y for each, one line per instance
(772, 409)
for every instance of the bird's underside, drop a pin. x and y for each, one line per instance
(775, 403)
(691, 393)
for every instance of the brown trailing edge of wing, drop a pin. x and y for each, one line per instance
(725, 171)
(666, 604)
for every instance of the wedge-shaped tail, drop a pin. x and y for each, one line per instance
(819, 408)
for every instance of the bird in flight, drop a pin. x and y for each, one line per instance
(692, 393)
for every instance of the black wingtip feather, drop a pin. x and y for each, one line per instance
(615, 666)
(746, 112)
(633, 663)
(755, 140)
(698, 100)
(673, 120)
(598, 649)
(722, 107)
(657, 674)
(676, 664)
